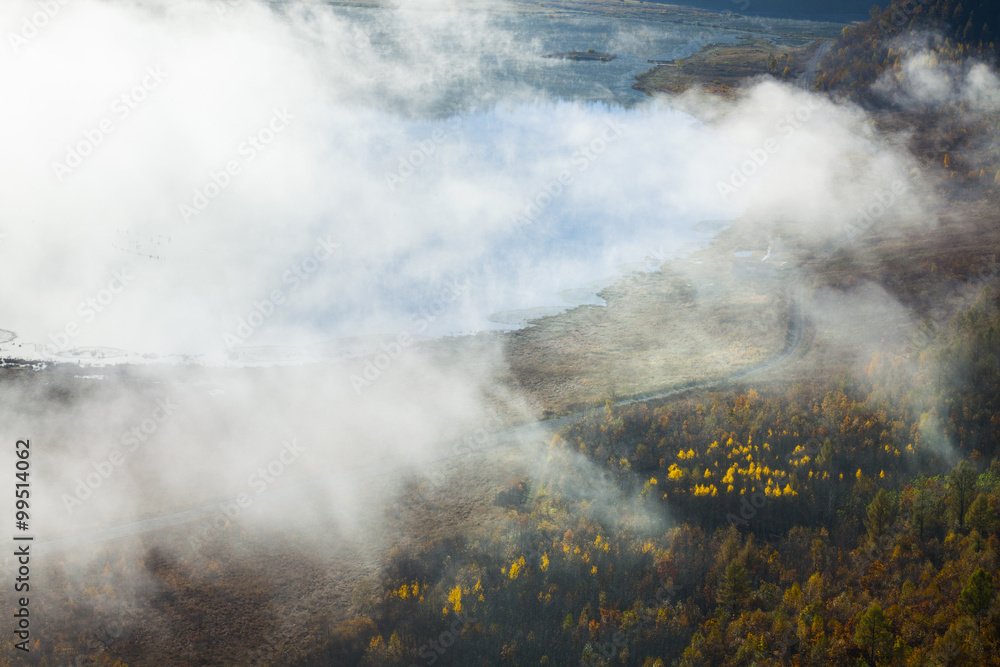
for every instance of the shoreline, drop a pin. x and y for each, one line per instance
(345, 349)
(571, 358)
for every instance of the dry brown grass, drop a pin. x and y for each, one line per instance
(723, 68)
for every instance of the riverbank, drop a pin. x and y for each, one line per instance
(722, 68)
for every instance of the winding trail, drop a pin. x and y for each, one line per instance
(808, 76)
(795, 337)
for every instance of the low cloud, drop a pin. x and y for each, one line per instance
(301, 174)
(928, 79)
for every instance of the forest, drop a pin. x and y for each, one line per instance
(848, 519)
(851, 521)
(959, 28)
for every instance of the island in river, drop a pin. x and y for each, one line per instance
(589, 54)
